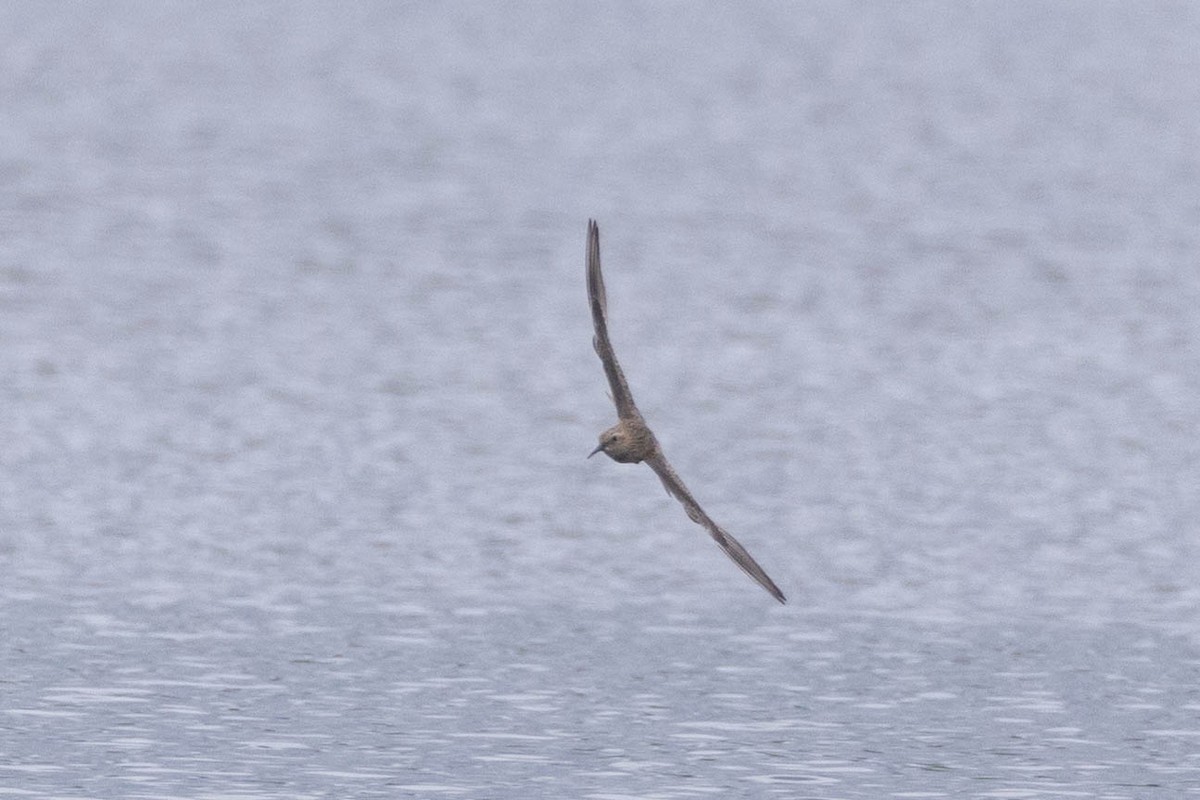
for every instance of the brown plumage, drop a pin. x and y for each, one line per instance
(631, 441)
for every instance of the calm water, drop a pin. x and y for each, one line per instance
(297, 384)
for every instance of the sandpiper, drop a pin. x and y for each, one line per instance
(630, 441)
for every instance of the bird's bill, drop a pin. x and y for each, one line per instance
(599, 447)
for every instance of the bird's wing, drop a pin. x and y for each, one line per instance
(595, 281)
(732, 547)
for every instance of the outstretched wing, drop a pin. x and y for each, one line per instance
(595, 281)
(730, 545)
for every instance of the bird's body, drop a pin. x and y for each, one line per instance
(631, 441)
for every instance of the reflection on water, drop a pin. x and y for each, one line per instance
(659, 704)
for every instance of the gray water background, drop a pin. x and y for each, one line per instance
(296, 384)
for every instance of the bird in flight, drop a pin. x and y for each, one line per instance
(630, 441)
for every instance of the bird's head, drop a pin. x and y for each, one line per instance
(610, 442)
(625, 442)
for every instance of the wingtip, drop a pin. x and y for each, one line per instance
(775, 591)
(765, 582)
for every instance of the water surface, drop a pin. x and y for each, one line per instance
(298, 384)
